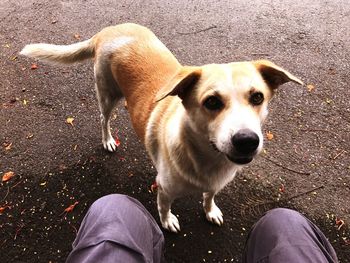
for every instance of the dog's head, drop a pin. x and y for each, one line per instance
(227, 103)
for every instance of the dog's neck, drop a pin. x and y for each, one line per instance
(213, 166)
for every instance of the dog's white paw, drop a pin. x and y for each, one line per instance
(110, 145)
(171, 223)
(215, 216)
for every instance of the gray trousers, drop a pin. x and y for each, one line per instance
(117, 228)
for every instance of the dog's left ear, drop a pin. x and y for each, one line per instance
(274, 75)
(181, 84)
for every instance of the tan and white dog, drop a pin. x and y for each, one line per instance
(199, 124)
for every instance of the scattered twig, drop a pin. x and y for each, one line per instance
(319, 130)
(286, 168)
(17, 231)
(3, 243)
(260, 54)
(340, 153)
(16, 184)
(8, 191)
(269, 204)
(302, 193)
(74, 228)
(198, 31)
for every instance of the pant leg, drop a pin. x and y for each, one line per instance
(284, 235)
(117, 228)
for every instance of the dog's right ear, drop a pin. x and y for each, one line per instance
(181, 84)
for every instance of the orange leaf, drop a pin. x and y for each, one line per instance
(34, 66)
(77, 36)
(30, 135)
(8, 146)
(269, 135)
(71, 207)
(70, 120)
(7, 176)
(310, 87)
(2, 209)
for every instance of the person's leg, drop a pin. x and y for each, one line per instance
(284, 235)
(117, 228)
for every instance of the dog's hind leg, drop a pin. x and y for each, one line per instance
(169, 220)
(212, 212)
(108, 94)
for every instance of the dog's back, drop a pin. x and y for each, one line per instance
(128, 57)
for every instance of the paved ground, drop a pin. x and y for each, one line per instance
(306, 165)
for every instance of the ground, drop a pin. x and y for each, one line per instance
(305, 166)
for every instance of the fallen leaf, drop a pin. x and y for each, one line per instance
(114, 116)
(77, 36)
(34, 66)
(6, 45)
(328, 101)
(43, 184)
(7, 146)
(71, 207)
(154, 187)
(70, 120)
(25, 102)
(7, 176)
(282, 189)
(339, 222)
(3, 208)
(117, 141)
(13, 58)
(310, 87)
(269, 135)
(30, 135)
(53, 21)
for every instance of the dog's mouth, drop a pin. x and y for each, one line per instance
(238, 159)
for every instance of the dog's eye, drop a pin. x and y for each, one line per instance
(213, 103)
(256, 98)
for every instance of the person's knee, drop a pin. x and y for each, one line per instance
(114, 204)
(110, 200)
(284, 214)
(279, 220)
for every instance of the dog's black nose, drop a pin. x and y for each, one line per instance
(245, 141)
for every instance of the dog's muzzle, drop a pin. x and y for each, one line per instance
(245, 143)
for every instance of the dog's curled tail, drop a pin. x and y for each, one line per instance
(60, 54)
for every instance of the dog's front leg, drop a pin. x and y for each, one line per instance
(212, 212)
(169, 220)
